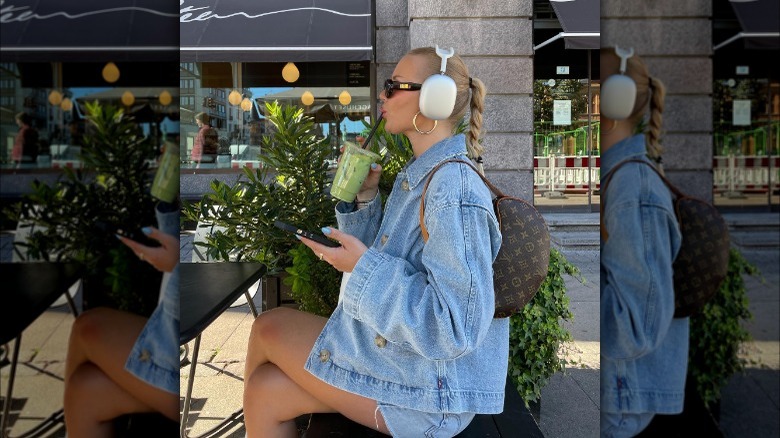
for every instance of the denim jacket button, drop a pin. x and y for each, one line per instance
(324, 355)
(144, 356)
(384, 239)
(405, 185)
(380, 341)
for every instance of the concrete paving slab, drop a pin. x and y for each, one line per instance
(747, 410)
(566, 409)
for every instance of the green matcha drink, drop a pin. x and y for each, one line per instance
(166, 181)
(352, 171)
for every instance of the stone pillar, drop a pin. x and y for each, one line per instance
(392, 37)
(495, 39)
(675, 40)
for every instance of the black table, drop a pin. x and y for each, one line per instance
(28, 290)
(207, 290)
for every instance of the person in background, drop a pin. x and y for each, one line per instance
(206, 143)
(25, 148)
(644, 349)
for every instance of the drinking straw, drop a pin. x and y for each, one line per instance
(373, 130)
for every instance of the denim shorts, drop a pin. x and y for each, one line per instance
(404, 422)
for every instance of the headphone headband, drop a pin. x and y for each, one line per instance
(624, 54)
(444, 55)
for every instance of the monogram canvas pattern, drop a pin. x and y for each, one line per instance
(702, 263)
(521, 265)
(522, 261)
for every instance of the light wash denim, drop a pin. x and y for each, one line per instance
(404, 422)
(414, 327)
(155, 354)
(644, 349)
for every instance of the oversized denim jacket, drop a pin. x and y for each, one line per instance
(414, 327)
(155, 354)
(644, 350)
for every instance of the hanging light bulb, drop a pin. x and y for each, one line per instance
(290, 72)
(55, 97)
(128, 98)
(234, 98)
(66, 104)
(165, 98)
(111, 73)
(246, 104)
(307, 98)
(345, 98)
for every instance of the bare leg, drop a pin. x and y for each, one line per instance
(100, 342)
(277, 388)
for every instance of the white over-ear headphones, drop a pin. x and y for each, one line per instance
(438, 92)
(618, 92)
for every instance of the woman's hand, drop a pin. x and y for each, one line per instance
(370, 186)
(164, 257)
(345, 257)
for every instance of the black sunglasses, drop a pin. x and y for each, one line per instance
(391, 86)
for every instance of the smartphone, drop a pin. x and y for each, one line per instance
(317, 237)
(138, 236)
(135, 235)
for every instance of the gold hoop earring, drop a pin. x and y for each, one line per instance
(614, 125)
(414, 122)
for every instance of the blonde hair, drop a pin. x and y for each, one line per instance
(649, 92)
(474, 101)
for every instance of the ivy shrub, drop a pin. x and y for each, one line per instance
(537, 334)
(717, 333)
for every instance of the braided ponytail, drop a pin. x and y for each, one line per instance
(477, 107)
(653, 132)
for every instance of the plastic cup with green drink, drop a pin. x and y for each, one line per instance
(353, 169)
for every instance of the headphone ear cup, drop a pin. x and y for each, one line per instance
(437, 97)
(618, 95)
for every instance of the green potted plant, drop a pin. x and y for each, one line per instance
(718, 334)
(290, 186)
(75, 218)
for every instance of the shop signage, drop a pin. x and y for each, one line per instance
(741, 112)
(561, 112)
(357, 74)
(562, 69)
(743, 69)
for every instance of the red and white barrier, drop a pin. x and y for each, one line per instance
(566, 174)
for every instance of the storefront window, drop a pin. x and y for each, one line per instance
(222, 106)
(48, 100)
(566, 144)
(746, 142)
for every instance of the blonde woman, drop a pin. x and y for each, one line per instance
(412, 348)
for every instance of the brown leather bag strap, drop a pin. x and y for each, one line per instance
(496, 191)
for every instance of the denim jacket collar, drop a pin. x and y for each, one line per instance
(630, 147)
(418, 168)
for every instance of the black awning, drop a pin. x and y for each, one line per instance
(276, 31)
(580, 20)
(88, 30)
(760, 22)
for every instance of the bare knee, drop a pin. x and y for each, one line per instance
(89, 327)
(269, 327)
